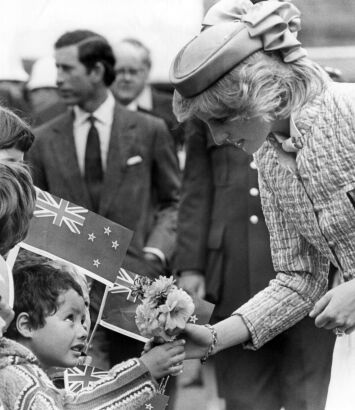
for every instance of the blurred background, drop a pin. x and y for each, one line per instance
(28, 28)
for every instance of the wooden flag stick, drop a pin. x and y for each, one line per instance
(98, 320)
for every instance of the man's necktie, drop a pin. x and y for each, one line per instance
(93, 165)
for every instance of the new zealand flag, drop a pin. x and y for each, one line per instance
(62, 230)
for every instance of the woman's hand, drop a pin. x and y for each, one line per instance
(336, 309)
(198, 339)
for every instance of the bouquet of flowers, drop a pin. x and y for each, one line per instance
(165, 309)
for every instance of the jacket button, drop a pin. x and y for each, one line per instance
(331, 243)
(252, 165)
(253, 219)
(254, 191)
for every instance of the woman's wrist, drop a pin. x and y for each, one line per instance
(231, 331)
(211, 348)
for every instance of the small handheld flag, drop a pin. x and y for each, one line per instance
(80, 377)
(62, 230)
(120, 304)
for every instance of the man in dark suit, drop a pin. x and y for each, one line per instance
(131, 87)
(223, 250)
(117, 163)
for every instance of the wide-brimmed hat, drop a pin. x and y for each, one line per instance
(233, 30)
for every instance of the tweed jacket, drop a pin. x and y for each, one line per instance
(25, 386)
(141, 182)
(310, 213)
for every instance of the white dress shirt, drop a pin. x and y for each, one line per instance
(103, 123)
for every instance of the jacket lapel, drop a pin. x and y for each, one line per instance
(66, 159)
(121, 140)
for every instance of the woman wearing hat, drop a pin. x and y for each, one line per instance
(247, 76)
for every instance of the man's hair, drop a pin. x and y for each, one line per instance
(147, 59)
(37, 290)
(92, 49)
(14, 132)
(262, 86)
(17, 202)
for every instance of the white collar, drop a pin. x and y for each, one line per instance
(132, 106)
(103, 114)
(145, 98)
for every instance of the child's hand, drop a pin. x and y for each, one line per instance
(165, 359)
(6, 316)
(153, 342)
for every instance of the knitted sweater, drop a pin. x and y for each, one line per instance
(25, 386)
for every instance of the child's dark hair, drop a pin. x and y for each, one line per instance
(15, 132)
(17, 202)
(37, 289)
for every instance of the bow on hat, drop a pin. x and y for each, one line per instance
(275, 22)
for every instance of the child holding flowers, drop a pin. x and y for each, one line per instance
(49, 330)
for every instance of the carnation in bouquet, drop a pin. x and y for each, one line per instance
(165, 308)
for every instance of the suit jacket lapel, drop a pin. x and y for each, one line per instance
(67, 161)
(122, 138)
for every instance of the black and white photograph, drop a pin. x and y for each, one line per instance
(177, 205)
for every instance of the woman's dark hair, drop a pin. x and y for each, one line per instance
(92, 49)
(14, 132)
(37, 291)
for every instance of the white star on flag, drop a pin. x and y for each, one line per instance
(96, 262)
(62, 211)
(107, 231)
(92, 237)
(149, 406)
(193, 319)
(115, 244)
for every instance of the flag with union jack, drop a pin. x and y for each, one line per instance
(77, 378)
(62, 230)
(120, 307)
(60, 210)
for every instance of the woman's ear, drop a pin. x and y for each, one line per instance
(23, 325)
